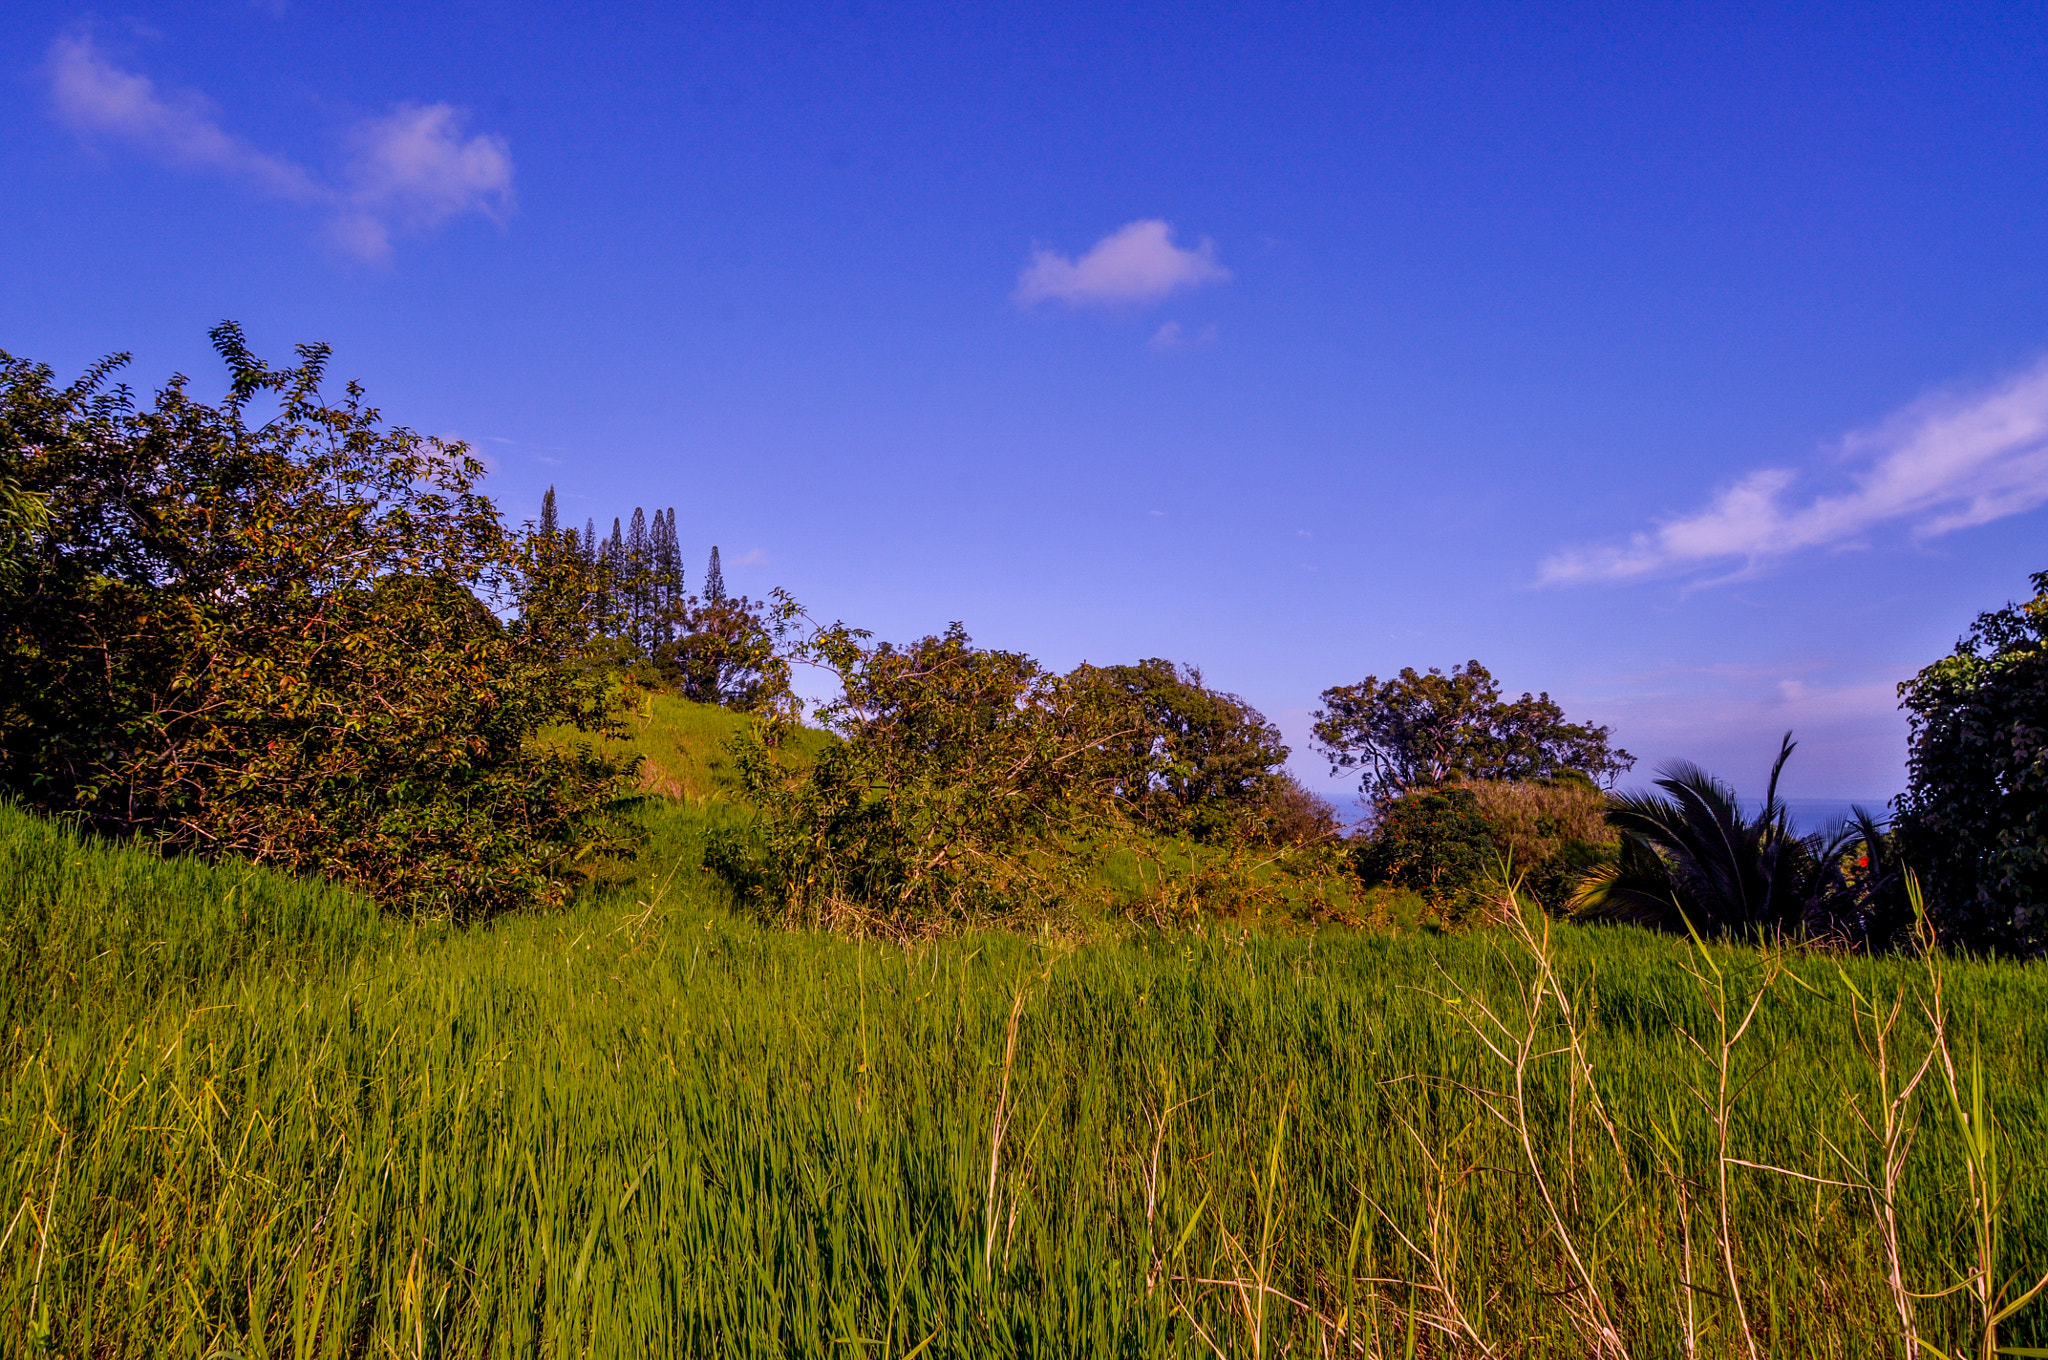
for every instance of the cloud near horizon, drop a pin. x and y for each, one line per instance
(1949, 461)
(406, 172)
(1137, 263)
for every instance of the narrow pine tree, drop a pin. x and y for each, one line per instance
(668, 572)
(714, 580)
(615, 578)
(548, 524)
(657, 581)
(636, 590)
(593, 585)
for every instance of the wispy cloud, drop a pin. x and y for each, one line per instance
(1137, 263)
(1173, 335)
(1949, 461)
(413, 170)
(95, 97)
(406, 172)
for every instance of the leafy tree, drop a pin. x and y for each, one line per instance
(956, 773)
(1419, 731)
(1196, 761)
(1974, 818)
(23, 517)
(285, 641)
(731, 652)
(1694, 857)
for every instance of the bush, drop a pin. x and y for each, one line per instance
(1294, 815)
(958, 777)
(1188, 760)
(1549, 832)
(1435, 842)
(286, 642)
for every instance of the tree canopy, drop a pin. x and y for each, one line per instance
(1973, 821)
(1191, 759)
(957, 768)
(1419, 731)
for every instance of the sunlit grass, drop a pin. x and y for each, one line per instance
(277, 1126)
(682, 745)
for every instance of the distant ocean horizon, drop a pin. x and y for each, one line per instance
(1808, 814)
(1815, 814)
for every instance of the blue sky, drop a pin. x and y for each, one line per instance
(1683, 361)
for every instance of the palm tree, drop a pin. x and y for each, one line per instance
(1693, 858)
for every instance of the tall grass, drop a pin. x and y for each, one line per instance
(112, 930)
(647, 1127)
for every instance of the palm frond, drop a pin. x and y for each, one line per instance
(1689, 852)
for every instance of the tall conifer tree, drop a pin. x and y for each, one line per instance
(671, 577)
(660, 625)
(615, 577)
(637, 580)
(714, 580)
(548, 524)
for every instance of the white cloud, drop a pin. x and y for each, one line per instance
(413, 170)
(95, 97)
(1949, 461)
(1137, 263)
(752, 557)
(409, 171)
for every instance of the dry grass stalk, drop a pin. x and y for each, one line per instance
(1000, 1126)
(1519, 1045)
(1719, 1050)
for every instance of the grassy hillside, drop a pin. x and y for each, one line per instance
(239, 1113)
(681, 746)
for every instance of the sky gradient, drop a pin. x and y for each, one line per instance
(1685, 362)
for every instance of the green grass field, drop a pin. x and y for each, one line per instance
(246, 1115)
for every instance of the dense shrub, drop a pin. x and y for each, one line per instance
(1435, 842)
(1188, 760)
(1295, 815)
(957, 776)
(1549, 833)
(1448, 844)
(289, 641)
